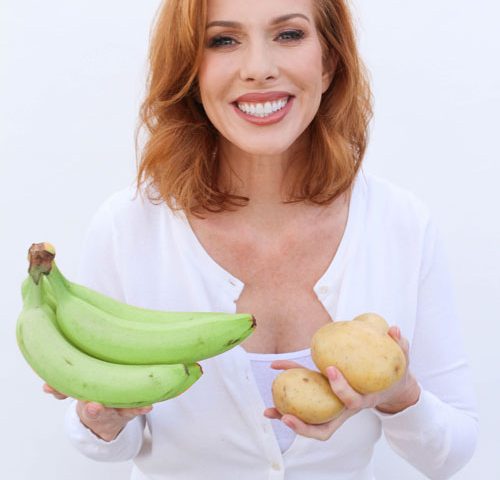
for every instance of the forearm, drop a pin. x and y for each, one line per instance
(434, 437)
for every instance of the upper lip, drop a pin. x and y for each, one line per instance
(259, 97)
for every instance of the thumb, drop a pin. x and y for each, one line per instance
(92, 410)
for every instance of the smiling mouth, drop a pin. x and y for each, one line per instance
(264, 109)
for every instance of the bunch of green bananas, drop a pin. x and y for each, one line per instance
(92, 347)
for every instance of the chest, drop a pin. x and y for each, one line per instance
(279, 277)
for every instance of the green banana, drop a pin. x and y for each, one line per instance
(113, 339)
(83, 377)
(121, 310)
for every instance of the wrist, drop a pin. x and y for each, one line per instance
(110, 435)
(410, 398)
(106, 433)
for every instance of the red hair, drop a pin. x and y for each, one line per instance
(177, 161)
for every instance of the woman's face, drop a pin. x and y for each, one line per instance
(262, 76)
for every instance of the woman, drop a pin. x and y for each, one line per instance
(252, 199)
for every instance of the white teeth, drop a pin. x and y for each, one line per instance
(262, 109)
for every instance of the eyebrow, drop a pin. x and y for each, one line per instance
(274, 21)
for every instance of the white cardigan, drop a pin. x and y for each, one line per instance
(390, 261)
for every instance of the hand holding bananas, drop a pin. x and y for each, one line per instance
(105, 422)
(93, 348)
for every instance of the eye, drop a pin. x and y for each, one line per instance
(221, 41)
(290, 35)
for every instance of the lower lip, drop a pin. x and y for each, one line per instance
(268, 120)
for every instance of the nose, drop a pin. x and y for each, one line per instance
(258, 63)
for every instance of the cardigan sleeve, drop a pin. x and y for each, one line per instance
(438, 434)
(98, 270)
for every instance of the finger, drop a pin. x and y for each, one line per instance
(285, 364)
(60, 396)
(133, 412)
(351, 399)
(395, 334)
(322, 431)
(93, 410)
(141, 410)
(272, 413)
(52, 391)
(144, 410)
(47, 388)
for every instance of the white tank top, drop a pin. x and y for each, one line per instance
(264, 376)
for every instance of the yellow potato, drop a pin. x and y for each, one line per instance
(305, 394)
(362, 350)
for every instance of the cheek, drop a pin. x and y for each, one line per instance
(308, 68)
(205, 80)
(213, 78)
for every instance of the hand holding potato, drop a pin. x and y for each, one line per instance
(402, 394)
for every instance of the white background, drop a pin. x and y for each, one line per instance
(72, 76)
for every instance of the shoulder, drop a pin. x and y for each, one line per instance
(392, 205)
(128, 225)
(131, 207)
(128, 200)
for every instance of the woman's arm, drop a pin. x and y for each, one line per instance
(438, 434)
(433, 417)
(99, 271)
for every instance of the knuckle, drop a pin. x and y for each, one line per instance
(352, 403)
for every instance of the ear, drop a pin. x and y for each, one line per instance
(329, 68)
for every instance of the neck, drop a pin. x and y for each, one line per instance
(265, 179)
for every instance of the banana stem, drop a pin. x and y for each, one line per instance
(55, 273)
(56, 281)
(40, 256)
(32, 294)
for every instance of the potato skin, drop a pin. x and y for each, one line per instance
(374, 320)
(307, 395)
(369, 359)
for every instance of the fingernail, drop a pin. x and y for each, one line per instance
(332, 373)
(398, 332)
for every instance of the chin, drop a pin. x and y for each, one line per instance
(265, 152)
(264, 147)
